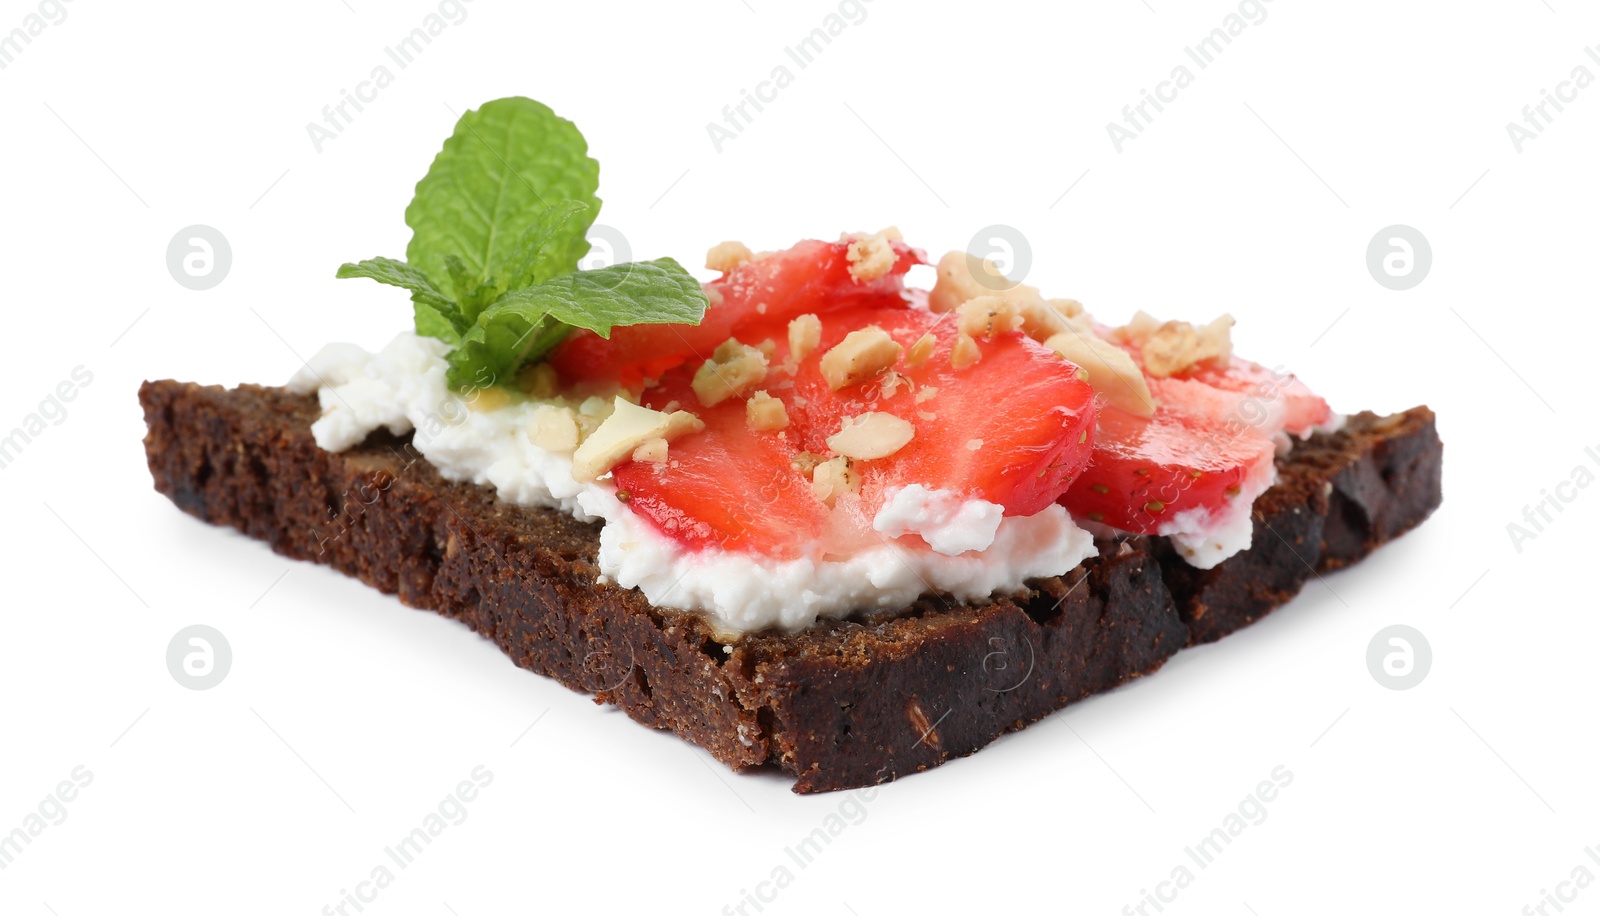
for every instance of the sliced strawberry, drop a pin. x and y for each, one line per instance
(1012, 429)
(1209, 447)
(725, 487)
(1273, 398)
(1146, 471)
(813, 276)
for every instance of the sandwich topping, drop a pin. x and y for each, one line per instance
(805, 436)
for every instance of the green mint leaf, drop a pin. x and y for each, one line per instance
(430, 323)
(492, 351)
(553, 245)
(524, 324)
(398, 273)
(473, 293)
(639, 292)
(503, 166)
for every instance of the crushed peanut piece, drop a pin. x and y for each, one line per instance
(538, 380)
(486, 399)
(554, 428)
(963, 277)
(727, 255)
(871, 256)
(805, 332)
(926, 393)
(1070, 308)
(681, 423)
(871, 435)
(1174, 346)
(806, 462)
(892, 381)
(921, 349)
(974, 444)
(764, 413)
(651, 450)
(965, 353)
(627, 428)
(834, 478)
(986, 316)
(1112, 372)
(733, 370)
(864, 354)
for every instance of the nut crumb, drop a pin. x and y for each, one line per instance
(765, 413)
(871, 256)
(538, 380)
(1111, 370)
(921, 349)
(926, 393)
(965, 353)
(974, 444)
(834, 478)
(733, 370)
(727, 255)
(486, 399)
(554, 428)
(864, 354)
(651, 450)
(871, 435)
(805, 333)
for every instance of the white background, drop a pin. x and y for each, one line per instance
(346, 718)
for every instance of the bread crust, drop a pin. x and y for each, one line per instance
(839, 705)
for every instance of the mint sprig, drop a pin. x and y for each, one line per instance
(498, 226)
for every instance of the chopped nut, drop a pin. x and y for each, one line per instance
(986, 316)
(963, 278)
(974, 444)
(921, 349)
(538, 380)
(892, 381)
(727, 256)
(596, 406)
(1112, 372)
(871, 256)
(627, 428)
(863, 354)
(554, 428)
(767, 348)
(764, 413)
(805, 332)
(733, 370)
(805, 462)
(486, 399)
(1138, 328)
(681, 423)
(965, 353)
(1174, 346)
(871, 435)
(625, 431)
(1070, 308)
(832, 479)
(927, 415)
(652, 450)
(926, 393)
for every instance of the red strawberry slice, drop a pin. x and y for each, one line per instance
(1146, 471)
(813, 276)
(1209, 447)
(1012, 429)
(1273, 397)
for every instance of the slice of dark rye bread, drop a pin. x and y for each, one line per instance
(839, 705)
